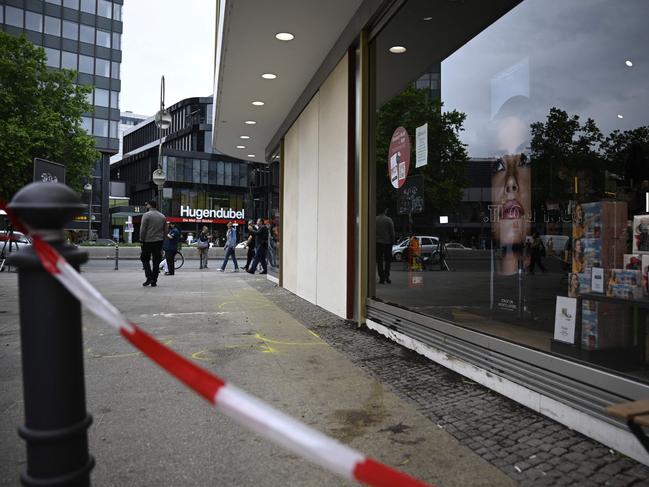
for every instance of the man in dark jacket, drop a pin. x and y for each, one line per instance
(170, 247)
(384, 242)
(152, 232)
(251, 243)
(261, 239)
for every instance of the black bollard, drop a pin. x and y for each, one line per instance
(116, 257)
(56, 421)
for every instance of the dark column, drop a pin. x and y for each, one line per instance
(56, 421)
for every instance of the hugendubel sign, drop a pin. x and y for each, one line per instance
(199, 214)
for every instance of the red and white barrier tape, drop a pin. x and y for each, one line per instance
(247, 410)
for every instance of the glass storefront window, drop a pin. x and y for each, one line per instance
(70, 30)
(204, 172)
(52, 26)
(196, 173)
(212, 172)
(220, 172)
(228, 174)
(512, 156)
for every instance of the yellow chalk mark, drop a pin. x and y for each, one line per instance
(265, 348)
(259, 336)
(197, 355)
(314, 334)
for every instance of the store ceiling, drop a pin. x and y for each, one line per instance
(250, 49)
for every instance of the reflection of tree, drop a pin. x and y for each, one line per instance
(563, 148)
(444, 175)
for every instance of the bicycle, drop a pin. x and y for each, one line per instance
(179, 260)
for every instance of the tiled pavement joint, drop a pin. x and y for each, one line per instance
(530, 448)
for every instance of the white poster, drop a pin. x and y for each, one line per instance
(597, 284)
(565, 317)
(421, 144)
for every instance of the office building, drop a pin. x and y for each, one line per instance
(84, 35)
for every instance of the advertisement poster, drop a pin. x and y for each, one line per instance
(598, 280)
(511, 196)
(565, 318)
(399, 157)
(641, 234)
(421, 145)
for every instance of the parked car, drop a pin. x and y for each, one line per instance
(456, 246)
(100, 242)
(16, 237)
(427, 245)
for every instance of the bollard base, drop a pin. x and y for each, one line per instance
(78, 477)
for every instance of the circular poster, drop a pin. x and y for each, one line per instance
(399, 157)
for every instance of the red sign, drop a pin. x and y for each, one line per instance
(203, 220)
(399, 157)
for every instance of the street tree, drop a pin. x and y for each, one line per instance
(444, 175)
(40, 116)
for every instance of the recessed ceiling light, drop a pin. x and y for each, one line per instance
(428, 18)
(244, 136)
(619, 115)
(397, 49)
(269, 76)
(284, 36)
(628, 62)
(251, 155)
(250, 122)
(258, 103)
(241, 147)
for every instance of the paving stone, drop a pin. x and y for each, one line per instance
(496, 428)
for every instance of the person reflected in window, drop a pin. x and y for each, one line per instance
(537, 253)
(203, 247)
(261, 248)
(511, 196)
(250, 244)
(230, 245)
(384, 242)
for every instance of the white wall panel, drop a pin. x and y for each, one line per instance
(290, 240)
(332, 192)
(307, 219)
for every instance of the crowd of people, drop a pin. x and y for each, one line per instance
(158, 236)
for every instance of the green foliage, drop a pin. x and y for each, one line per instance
(40, 116)
(444, 177)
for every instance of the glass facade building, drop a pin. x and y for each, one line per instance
(84, 36)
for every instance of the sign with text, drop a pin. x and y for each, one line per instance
(565, 318)
(399, 157)
(421, 145)
(48, 172)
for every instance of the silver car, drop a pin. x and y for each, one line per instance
(427, 245)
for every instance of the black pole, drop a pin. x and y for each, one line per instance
(56, 421)
(116, 257)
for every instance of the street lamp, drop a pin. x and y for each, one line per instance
(88, 188)
(163, 122)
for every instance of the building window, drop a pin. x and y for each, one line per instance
(114, 99)
(88, 6)
(100, 127)
(114, 70)
(69, 60)
(70, 30)
(117, 40)
(102, 67)
(52, 26)
(89, 97)
(73, 4)
(14, 16)
(117, 12)
(114, 129)
(228, 174)
(101, 97)
(86, 64)
(87, 34)
(86, 124)
(33, 21)
(104, 8)
(53, 57)
(103, 38)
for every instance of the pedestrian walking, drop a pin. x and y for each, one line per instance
(152, 232)
(203, 247)
(384, 242)
(250, 243)
(230, 245)
(537, 251)
(261, 247)
(170, 247)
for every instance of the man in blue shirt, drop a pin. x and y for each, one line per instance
(230, 245)
(170, 247)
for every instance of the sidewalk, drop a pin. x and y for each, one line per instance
(150, 430)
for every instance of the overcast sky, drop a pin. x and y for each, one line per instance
(171, 38)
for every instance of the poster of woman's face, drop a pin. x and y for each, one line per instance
(511, 196)
(578, 256)
(573, 289)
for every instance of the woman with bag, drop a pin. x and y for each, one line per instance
(203, 247)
